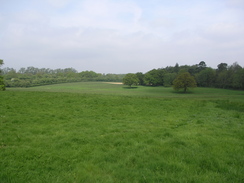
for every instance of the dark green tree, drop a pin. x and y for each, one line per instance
(154, 77)
(140, 76)
(234, 76)
(130, 79)
(169, 78)
(237, 80)
(201, 66)
(222, 79)
(184, 81)
(222, 67)
(88, 75)
(206, 77)
(2, 84)
(176, 68)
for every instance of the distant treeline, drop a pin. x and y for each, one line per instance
(31, 76)
(225, 76)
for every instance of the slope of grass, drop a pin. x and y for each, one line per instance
(144, 91)
(94, 134)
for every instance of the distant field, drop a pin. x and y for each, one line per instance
(147, 91)
(101, 132)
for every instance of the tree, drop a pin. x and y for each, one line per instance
(88, 75)
(238, 79)
(176, 68)
(2, 85)
(222, 79)
(206, 77)
(201, 66)
(130, 79)
(234, 76)
(169, 78)
(154, 77)
(140, 76)
(1, 62)
(222, 67)
(184, 81)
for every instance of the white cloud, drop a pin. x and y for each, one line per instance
(239, 4)
(120, 36)
(101, 14)
(58, 3)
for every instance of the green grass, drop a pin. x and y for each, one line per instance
(99, 132)
(144, 91)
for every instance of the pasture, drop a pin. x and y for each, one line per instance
(101, 132)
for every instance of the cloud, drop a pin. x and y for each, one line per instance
(58, 3)
(237, 4)
(101, 14)
(120, 36)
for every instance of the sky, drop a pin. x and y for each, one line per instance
(120, 36)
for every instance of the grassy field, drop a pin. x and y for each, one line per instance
(100, 132)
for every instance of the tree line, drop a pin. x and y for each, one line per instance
(32, 76)
(224, 76)
(2, 84)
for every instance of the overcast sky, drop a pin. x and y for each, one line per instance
(120, 36)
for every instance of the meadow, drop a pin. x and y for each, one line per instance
(102, 132)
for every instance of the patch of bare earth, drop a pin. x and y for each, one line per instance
(115, 83)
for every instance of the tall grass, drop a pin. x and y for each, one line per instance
(91, 134)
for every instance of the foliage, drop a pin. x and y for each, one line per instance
(32, 76)
(130, 79)
(154, 77)
(222, 67)
(184, 81)
(88, 75)
(206, 77)
(1, 62)
(83, 137)
(224, 76)
(201, 66)
(169, 78)
(141, 78)
(2, 84)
